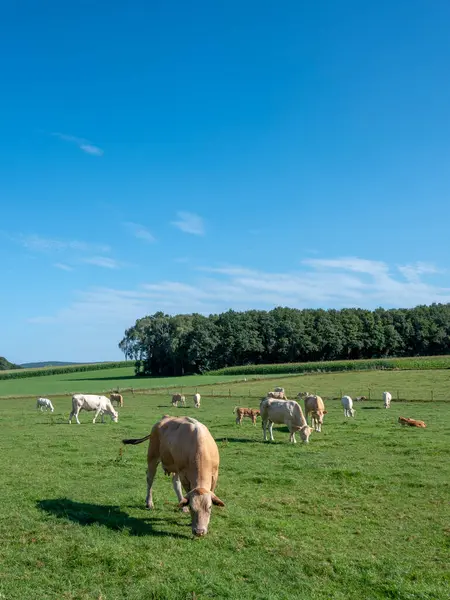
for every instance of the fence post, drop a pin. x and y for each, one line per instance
(213, 392)
(369, 393)
(340, 391)
(432, 395)
(398, 395)
(249, 393)
(229, 392)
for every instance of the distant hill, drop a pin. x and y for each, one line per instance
(50, 363)
(5, 365)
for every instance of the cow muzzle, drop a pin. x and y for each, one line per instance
(198, 532)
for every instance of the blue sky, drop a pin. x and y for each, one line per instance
(199, 157)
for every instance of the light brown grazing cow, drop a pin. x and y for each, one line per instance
(314, 405)
(186, 449)
(411, 422)
(287, 412)
(251, 413)
(276, 395)
(178, 398)
(116, 398)
(360, 398)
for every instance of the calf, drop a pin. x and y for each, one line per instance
(360, 398)
(116, 398)
(387, 399)
(347, 403)
(178, 398)
(186, 449)
(197, 400)
(251, 413)
(315, 406)
(91, 402)
(287, 412)
(44, 403)
(411, 422)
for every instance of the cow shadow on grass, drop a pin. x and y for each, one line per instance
(370, 407)
(107, 515)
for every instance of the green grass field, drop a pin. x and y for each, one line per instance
(416, 385)
(362, 512)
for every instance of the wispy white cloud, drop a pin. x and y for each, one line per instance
(333, 283)
(103, 261)
(413, 272)
(38, 243)
(84, 145)
(189, 223)
(63, 267)
(140, 232)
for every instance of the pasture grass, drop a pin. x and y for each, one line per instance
(405, 385)
(362, 512)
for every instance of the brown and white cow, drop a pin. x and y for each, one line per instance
(411, 422)
(241, 412)
(116, 398)
(287, 412)
(186, 449)
(178, 398)
(314, 405)
(197, 399)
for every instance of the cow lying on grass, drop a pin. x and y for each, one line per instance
(186, 449)
(411, 422)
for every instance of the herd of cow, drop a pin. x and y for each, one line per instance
(187, 451)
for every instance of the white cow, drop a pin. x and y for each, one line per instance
(44, 403)
(90, 402)
(197, 400)
(287, 412)
(387, 399)
(347, 403)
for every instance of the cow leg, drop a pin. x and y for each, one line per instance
(151, 472)
(77, 412)
(178, 491)
(271, 431)
(97, 412)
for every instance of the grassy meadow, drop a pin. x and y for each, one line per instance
(363, 511)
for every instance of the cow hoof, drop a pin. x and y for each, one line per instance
(149, 506)
(185, 509)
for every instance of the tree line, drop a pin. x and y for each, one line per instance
(165, 345)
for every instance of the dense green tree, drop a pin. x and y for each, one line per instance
(176, 345)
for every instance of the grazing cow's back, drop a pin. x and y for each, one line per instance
(187, 450)
(287, 412)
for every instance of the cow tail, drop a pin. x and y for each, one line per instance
(137, 441)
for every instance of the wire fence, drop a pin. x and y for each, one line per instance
(368, 395)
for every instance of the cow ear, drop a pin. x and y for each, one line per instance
(325, 412)
(217, 501)
(184, 502)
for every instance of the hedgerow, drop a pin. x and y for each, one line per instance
(417, 363)
(22, 373)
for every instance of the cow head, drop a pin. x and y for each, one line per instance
(305, 431)
(110, 411)
(200, 502)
